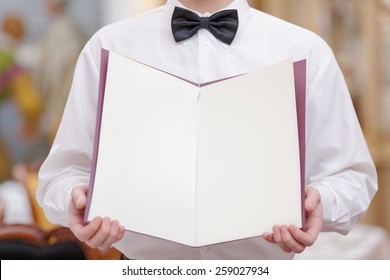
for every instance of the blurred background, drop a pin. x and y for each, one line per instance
(40, 41)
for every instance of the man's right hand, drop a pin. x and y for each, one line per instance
(100, 233)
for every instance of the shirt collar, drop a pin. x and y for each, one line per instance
(241, 6)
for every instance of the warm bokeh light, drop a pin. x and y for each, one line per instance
(39, 49)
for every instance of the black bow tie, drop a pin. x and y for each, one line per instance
(223, 25)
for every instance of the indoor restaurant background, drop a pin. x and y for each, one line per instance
(358, 31)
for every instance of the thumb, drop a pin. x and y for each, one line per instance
(313, 197)
(79, 196)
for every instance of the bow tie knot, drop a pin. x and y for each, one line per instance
(204, 22)
(223, 25)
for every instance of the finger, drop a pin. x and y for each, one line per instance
(79, 196)
(290, 242)
(114, 236)
(85, 232)
(122, 231)
(268, 236)
(76, 219)
(312, 230)
(312, 199)
(101, 235)
(304, 238)
(74, 212)
(278, 239)
(301, 236)
(299, 239)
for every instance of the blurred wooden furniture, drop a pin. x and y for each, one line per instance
(30, 242)
(1, 212)
(58, 233)
(31, 184)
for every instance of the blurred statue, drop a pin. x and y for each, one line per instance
(58, 51)
(20, 103)
(20, 111)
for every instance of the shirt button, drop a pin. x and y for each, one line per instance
(206, 248)
(206, 41)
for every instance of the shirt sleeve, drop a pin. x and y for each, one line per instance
(338, 163)
(69, 161)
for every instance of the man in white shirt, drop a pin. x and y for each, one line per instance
(340, 175)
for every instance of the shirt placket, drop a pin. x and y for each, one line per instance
(205, 43)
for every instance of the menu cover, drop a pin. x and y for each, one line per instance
(198, 164)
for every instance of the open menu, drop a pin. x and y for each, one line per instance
(198, 164)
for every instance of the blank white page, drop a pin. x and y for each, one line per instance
(247, 156)
(146, 168)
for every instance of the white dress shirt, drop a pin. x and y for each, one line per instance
(338, 163)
